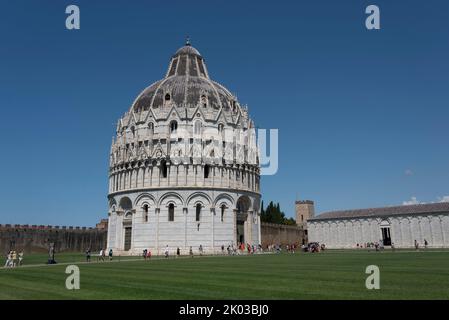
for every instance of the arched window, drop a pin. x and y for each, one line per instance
(198, 212)
(220, 127)
(133, 131)
(171, 212)
(151, 127)
(223, 207)
(125, 204)
(173, 126)
(206, 171)
(167, 97)
(204, 101)
(164, 169)
(145, 212)
(197, 127)
(234, 107)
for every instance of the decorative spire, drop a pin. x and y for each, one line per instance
(187, 41)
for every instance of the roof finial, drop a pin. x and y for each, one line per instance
(187, 41)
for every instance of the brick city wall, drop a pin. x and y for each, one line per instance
(37, 238)
(281, 234)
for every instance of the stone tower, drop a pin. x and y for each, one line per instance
(184, 168)
(304, 210)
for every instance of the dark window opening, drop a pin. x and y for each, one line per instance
(198, 212)
(173, 126)
(167, 97)
(171, 212)
(206, 171)
(145, 210)
(164, 169)
(222, 212)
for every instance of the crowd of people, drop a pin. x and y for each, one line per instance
(14, 259)
(101, 255)
(240, 248)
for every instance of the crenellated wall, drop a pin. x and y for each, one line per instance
(33, 238)
(281, 234)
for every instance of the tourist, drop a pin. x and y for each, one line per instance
(14, 258)
(201, 249)
(88, 255)
(222, 249)
(416, 245)
(148, 254)
(8, 259)
(425, 244)
(166, 251)
(20, 257)
(392, 246)
(229, 250)
(191, 252)
(144, 254)
(178, 252)
(101, 255)
(110, 254)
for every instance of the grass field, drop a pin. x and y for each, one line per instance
(327, 275)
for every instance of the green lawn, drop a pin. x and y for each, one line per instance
(327, 275)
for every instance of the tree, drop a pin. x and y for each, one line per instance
(273, 214)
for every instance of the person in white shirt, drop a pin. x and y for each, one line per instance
(166, 251)
(8, 259)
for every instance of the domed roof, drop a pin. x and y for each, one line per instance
(187, 49)
(186, 85)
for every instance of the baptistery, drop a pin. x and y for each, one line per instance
(184, 166)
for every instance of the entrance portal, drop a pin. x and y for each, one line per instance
(243, 205)
(128, 231)
(386, 235)
(386, 238)
(240, 231)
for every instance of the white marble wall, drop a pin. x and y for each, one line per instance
(346, 233)
(155, 234)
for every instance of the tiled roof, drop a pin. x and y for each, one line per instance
(439, 207)
(186, 82)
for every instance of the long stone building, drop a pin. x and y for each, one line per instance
(184, 168)
(400, 225)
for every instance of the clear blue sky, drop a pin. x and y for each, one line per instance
(362, 115)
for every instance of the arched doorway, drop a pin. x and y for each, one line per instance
(126, 206)
(242, 207)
